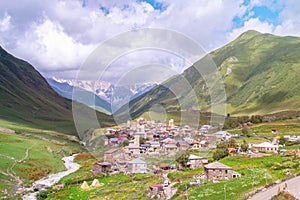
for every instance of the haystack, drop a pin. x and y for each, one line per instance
(96, 183)
(85, 186)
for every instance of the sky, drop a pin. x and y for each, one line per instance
(57, 36)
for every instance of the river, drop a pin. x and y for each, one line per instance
(51, 179)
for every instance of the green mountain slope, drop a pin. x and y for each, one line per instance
(260, 72)
(26, 97)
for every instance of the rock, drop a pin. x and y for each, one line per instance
(96, 183)
(85, 186)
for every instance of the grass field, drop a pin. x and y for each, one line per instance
(256, 171)
(25, 128)
(288, 127)
(29, 158)
(115, 187)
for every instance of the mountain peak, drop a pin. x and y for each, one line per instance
(249, 34)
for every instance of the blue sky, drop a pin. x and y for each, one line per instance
(56, 36)
(156, 5)
(262, 12)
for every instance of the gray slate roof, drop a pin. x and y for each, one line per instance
(217, 165)
(137, 161)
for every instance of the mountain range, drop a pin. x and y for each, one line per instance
(260, 74)
(107, 96)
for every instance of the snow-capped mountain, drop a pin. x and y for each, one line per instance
(115, 95)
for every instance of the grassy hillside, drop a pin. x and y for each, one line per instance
(30, 154)
(260, 73)
(26, 98)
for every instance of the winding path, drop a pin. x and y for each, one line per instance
(169, 191)
(293, 187)
(10, 172)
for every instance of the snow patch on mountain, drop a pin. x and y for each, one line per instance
(116, 94)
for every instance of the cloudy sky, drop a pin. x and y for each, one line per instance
(56, 36)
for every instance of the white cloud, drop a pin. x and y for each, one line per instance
(290, 17)
(60, 36)
(51, 48)
(57, 36)
(5, 23)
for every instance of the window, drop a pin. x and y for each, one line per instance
(226, 171)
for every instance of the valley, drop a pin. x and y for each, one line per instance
(162, 141)
(256, 172)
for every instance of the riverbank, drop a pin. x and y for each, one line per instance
(52, 179)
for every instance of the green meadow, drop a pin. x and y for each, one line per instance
(256, 172)
(29, 158)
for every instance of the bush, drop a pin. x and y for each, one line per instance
(220, 153)
(182, 158)
(246, 132)
(42, 195)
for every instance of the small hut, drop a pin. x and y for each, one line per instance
(156, 189)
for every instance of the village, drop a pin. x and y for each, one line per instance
(133, 146)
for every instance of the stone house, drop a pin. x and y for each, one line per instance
(170, 147)
(101, 167)
(195, 145)
(112, 155)
(156, 189)
(137, 166)
(183, 145)
(217, 171)
(265, 147)
(196, 161)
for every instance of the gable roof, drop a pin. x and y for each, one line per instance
(217, 165)
(194, 157)
(222, 133)
(169, 141)
(156, 186)
(170, 146)
(111, 151)
(265, 145)
(137, 161)
(103, 163)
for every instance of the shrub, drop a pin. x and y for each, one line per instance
(42, 195)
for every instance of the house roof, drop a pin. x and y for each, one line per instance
(103, 163)
(222, 133)
(139, 133)
(133, 146)
(170, 146)
(163, 165)
(203, 142)
(154, 143)
(156, 186)
(217, 165)
(137, 161)
(184, 143)
(169, 141)
(265, 144)
(194, 157)
(111, 151)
